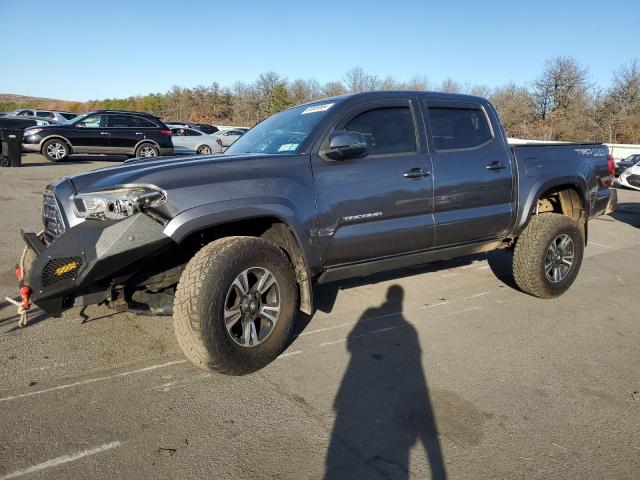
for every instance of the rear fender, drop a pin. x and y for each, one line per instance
(528, 206)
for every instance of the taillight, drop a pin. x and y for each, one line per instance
(166, 132)
(218, 141)
(611, 164)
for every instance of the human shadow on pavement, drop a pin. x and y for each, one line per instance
(383, 409)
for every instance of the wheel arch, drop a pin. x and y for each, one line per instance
(572, 200)
(270, 224)
(54, 137)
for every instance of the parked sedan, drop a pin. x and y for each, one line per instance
(190, 140)
(227, 137)
(630, 161)
(631, 177)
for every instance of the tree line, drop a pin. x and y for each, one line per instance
(560, 104)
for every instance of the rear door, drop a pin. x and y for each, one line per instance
(125, 133)
(473, 173)
(369, 207)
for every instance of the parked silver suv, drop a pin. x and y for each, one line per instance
(56, 115)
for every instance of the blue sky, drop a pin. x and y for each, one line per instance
(80, 50)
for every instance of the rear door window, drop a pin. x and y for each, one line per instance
(122, 121)
(458, 128)
(45, 115)
(144, 123)
(387, 130)
(192, 133)
(26, 113)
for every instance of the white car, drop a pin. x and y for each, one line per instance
(631, 177)
(227, 137)
(190, 140)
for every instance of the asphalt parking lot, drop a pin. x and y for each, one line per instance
(436, 371)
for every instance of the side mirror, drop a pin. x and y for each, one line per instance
(80, 125)
(345, 144)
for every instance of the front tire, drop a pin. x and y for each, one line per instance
(548, 255)
(55, 150)
(147, 150)
(235, 305)
(204, 150)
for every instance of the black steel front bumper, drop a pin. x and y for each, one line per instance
(89, 259)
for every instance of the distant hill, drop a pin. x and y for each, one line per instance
(11, 101)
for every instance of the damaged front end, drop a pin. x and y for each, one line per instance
(93, 245)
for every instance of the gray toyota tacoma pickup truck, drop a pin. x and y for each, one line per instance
(341, 187)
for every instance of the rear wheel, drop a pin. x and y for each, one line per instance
(235, 304)
(548, 255)
(147, 150)
(204, 149)
(55, 150)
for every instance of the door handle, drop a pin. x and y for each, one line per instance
(495, 166)
(139, 133)
(104, 133)
(416, 173)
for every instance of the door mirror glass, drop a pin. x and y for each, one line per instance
(345, 144)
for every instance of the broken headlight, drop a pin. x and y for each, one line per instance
(118, 203)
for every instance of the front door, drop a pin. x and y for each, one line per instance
(378, 205)
(473, 173)
(91, 135)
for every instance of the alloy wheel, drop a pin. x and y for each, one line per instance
(559, 258)
(56, 151)
(147, 151)
(252, 307)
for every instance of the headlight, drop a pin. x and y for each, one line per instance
(32, 131)
(118, 203)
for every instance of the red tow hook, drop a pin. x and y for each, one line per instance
(25, 293)
(19, 274)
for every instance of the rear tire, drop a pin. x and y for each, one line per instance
(204, 150)
(211, 317)
(147, 150)
(55, 150)
(548, 255)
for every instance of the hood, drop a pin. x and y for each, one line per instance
(163, 172)
(635, 170)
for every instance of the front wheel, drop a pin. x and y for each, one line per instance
(235, 304)
(55, 150)
(147, 150)
(204, 149)
(548, 255)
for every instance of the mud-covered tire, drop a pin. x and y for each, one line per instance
(198, 311)
(531, 250)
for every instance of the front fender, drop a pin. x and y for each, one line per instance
(218, 213)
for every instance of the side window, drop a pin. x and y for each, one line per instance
(122, 121)
(192, 133)
(143, 122)
(94, 121)
(45, 114)
(69, 116)
(455, 128)
(387, 130)
(26, 113)
(178, 132)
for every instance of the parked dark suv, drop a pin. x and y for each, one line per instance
(110, 132)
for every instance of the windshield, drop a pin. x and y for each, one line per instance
(282, 133)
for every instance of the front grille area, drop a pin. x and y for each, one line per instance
(51, 217)
(60, 269)
(634, 180)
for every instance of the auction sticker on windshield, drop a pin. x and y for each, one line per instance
(317, 108)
